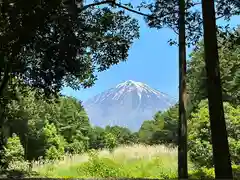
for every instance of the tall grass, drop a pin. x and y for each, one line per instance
(125, 161)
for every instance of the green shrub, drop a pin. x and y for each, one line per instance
(76, 147)
(101, 167)
(204, 173)
(236, 172)
(13, 154)
(52, 153)
(54, 143)
(14, 150)
(110, 141)
(200, 147)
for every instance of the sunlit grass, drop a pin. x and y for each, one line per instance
(125, 161)
(67, 161)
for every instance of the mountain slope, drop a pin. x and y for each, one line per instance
(128, 104)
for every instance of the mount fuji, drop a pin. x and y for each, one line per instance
(128, 105)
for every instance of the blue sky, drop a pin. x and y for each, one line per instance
(151, 60)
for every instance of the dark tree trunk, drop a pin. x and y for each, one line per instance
(221, 155)
(3, 142)
(5, 78)
(182, 126)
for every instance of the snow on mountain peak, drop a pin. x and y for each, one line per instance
(127, 104)
(128, 86)
(140, 87)
(130, 83)
(122, 90)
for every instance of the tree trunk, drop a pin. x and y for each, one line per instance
(182, 126)
(221, 155)
(3, 142)
(5, 78)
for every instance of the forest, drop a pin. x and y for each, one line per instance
(46, 45)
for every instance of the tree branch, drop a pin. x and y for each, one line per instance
(116, 4)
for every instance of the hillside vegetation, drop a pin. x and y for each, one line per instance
(46, 134)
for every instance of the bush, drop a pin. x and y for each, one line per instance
(204, 173)
(13, 154)
(76, 147)
(101, 167)
(110, 141)
(54, 143)
(200, 147)
(52, 153)
(236, 172)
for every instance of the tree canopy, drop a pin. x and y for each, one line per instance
(59, 49)
(229, 69)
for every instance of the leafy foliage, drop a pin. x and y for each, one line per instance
(46, 45)
(59, 49)
(110, 141)
(63, 47)
(229, 69)
(162, 129)
(13, 154)
(97, 138)
(54, 143)
(204, 173)
(123, 135)
(101, 167)
(200, 148)
(45, 129)
(166, 13)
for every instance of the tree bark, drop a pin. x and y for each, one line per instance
(5, 79)
(221, 155)
(182, 126)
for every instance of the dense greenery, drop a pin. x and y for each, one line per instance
(66, 46)
(200, 148)
(60, 48)
(199, 134)
(162, 129)
(48, 129)
(46, 45)
(229, 69)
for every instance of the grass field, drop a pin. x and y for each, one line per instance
(136, 161)
(129, 161)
